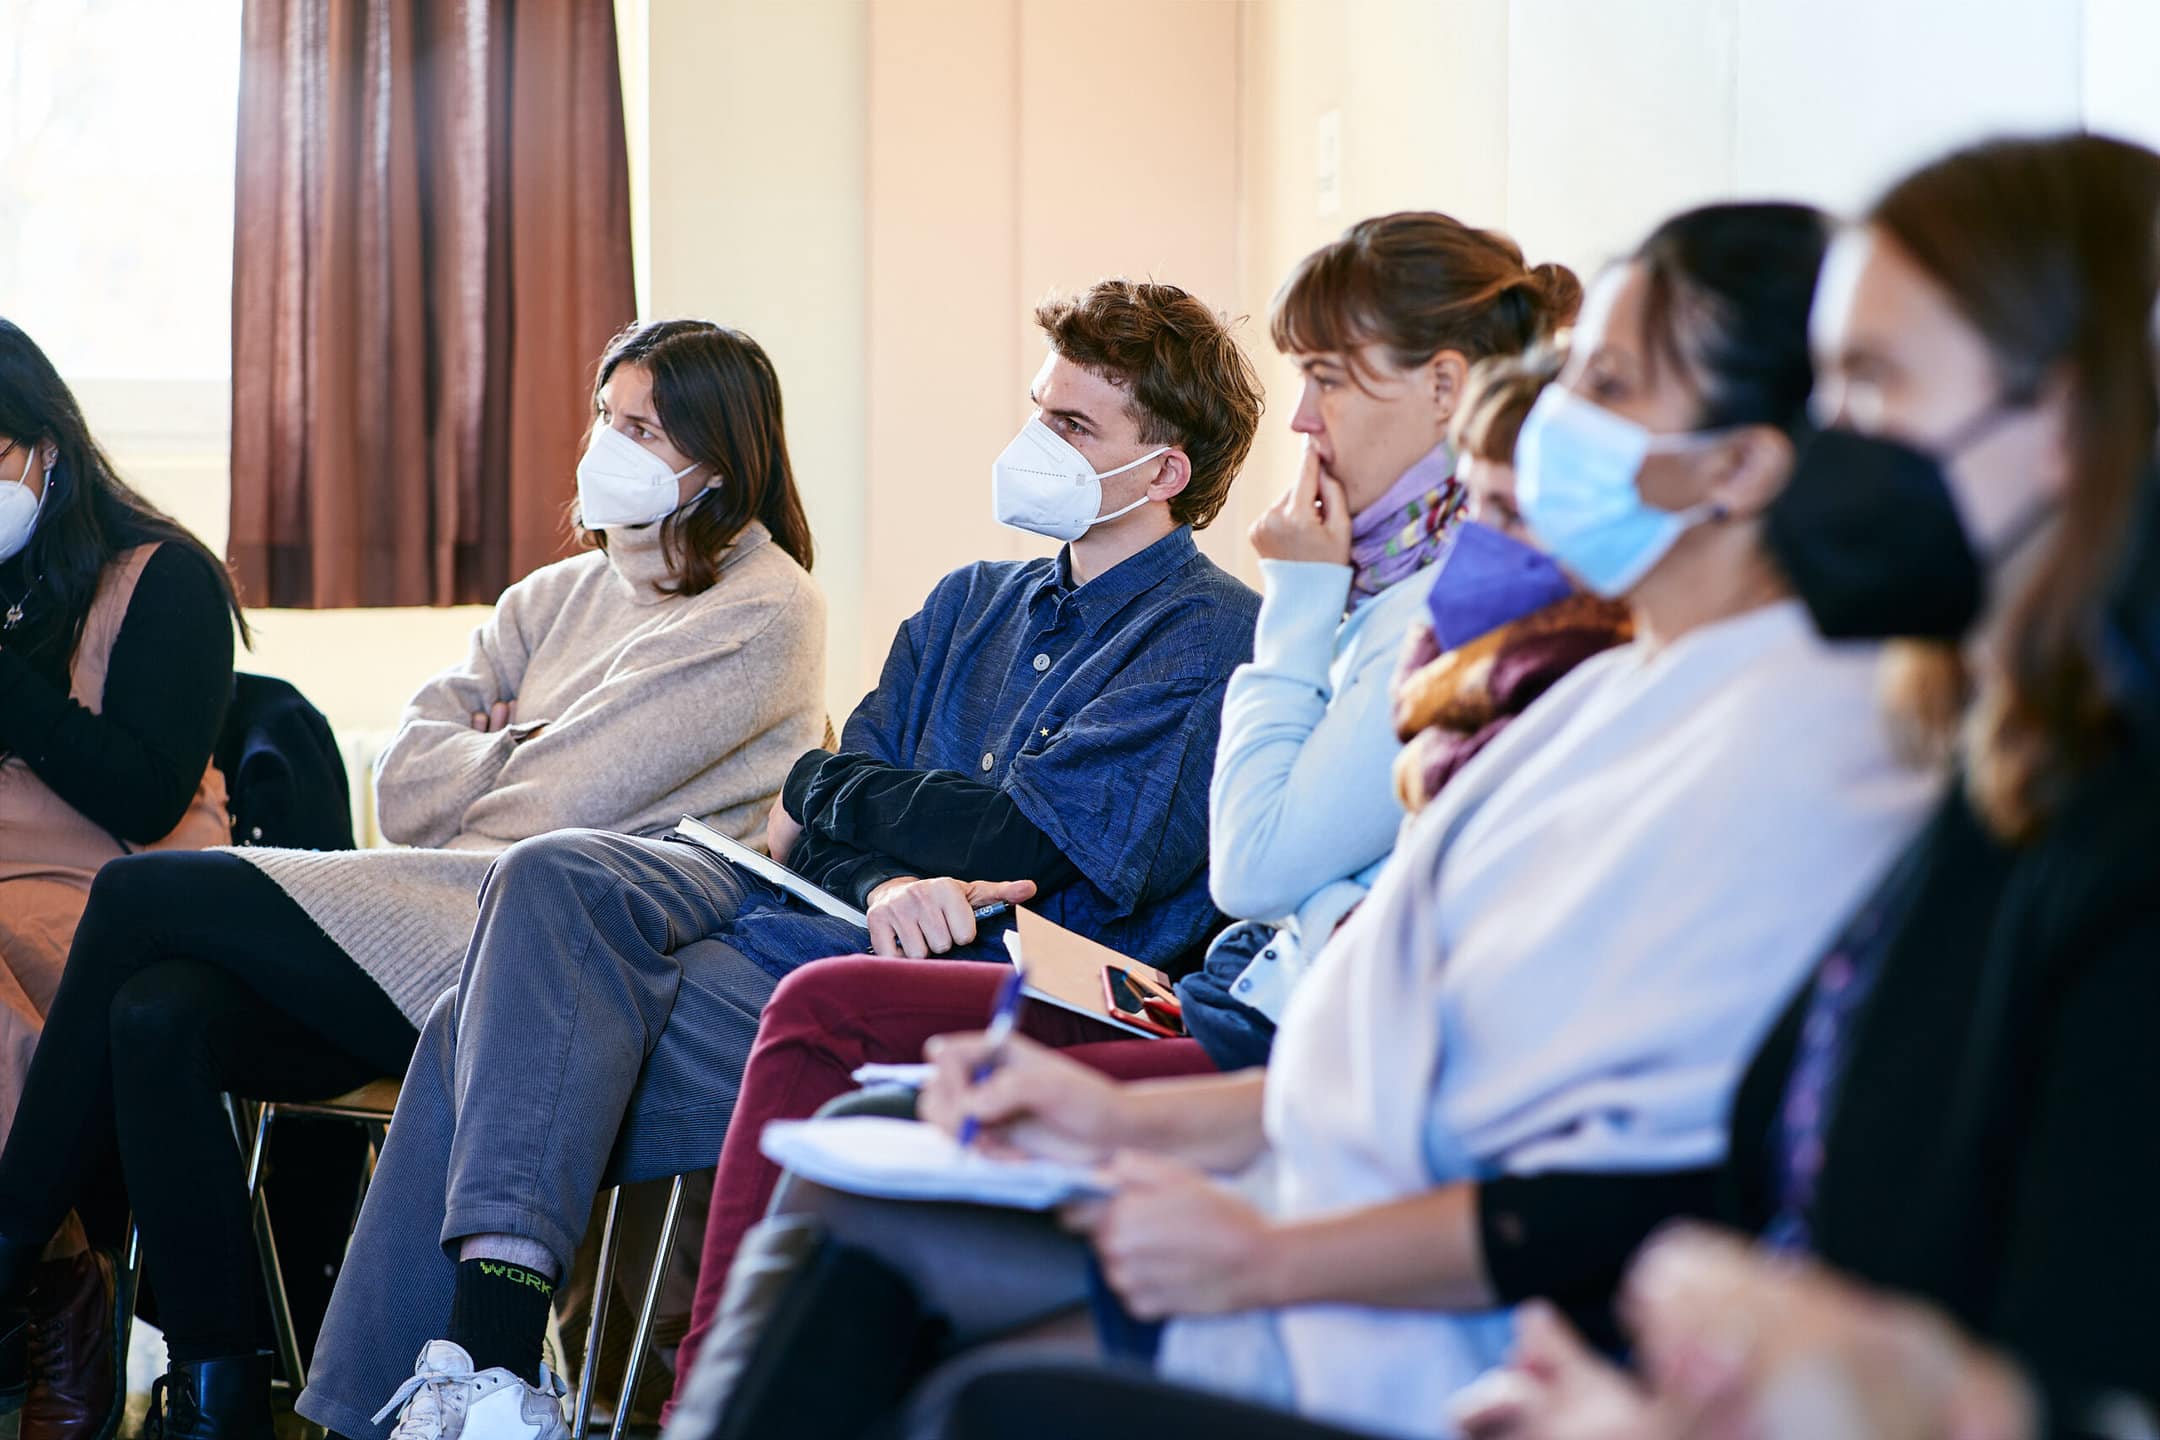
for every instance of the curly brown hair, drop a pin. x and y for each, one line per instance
(1186, 380)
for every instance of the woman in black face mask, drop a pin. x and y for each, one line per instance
(1961, 1112)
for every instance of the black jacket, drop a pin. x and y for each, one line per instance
(284, 777)
(1994, 1146)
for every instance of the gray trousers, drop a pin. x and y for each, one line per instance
(597, 1035)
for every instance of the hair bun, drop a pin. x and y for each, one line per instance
(1559, 294)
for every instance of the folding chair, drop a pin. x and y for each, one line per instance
(371, 1106)
(648, 1313)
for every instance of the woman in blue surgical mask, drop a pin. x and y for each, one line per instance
(675, 667)
(1947, 1144)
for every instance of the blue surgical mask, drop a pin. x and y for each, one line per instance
(1487, 580)
(1576, 466)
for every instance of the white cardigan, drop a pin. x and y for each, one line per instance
(1566, 963)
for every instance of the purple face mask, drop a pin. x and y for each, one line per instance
(1487, 580)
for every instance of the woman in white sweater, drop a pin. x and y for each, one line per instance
(674, 668)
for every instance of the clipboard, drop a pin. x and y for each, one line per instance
(1065, 969)
(698, 833)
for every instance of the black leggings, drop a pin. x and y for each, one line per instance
(191, 974)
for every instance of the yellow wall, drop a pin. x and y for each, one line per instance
(753, 119)
(1017, 148)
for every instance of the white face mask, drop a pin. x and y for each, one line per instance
(1042, 484)
(620, 482)
(19, 508)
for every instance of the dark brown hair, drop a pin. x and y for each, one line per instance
(1497, 397)
(1186, 381)
(89, 515)
(717, 396)
(2047, 248)
(1417, 283)
(1726, 296)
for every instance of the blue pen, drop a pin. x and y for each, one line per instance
(1003, 1016)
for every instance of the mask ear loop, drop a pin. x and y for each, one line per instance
(1101, 475)
(1107, 474)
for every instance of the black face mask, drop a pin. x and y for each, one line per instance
(1868, 534)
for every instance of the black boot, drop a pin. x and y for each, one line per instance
(225, 1399)
(17, 1263)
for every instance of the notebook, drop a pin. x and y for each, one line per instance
(892, 1159)
(697, 832)
(1066, 970)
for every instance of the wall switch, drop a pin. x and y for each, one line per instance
(1327, 163)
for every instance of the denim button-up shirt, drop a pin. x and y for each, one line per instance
(1096, 707)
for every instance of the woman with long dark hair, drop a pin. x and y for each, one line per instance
(115, 667)
(116, 653)
(675, 668)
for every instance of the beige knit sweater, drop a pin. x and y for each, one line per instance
(634, 709)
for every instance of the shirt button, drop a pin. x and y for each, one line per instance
(1245, 986)
(1267, 954)
(1042, 663)
(989, 760)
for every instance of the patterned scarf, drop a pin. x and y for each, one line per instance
(1407, 528)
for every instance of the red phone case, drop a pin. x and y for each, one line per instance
(1142, 1018)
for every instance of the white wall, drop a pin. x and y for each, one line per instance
(878, 191)
(1577, 124)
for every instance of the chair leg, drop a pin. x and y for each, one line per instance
(641, 1342)
(273, 1273)
(129, 1284)
(603, 1281)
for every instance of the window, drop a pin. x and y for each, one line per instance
(116, 185)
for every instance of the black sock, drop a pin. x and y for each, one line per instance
(500, 1314)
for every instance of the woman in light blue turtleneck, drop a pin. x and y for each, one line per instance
(1384, 324)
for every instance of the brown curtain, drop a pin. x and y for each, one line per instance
(432, 244)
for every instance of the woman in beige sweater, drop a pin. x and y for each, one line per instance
(675, 668)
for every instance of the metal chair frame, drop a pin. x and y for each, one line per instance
(251, 1122)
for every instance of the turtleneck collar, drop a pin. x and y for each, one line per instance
(640, 563)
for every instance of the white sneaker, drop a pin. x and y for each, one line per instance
(445, 1400)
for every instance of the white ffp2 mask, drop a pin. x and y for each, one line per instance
(19, 509)
(1040, 483)
(620, 482)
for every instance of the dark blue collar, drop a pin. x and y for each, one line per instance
(1117, 587)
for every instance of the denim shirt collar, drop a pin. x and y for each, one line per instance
(1111, 591)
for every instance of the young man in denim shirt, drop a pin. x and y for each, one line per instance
(1044, 731)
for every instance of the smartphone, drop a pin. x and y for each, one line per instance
(1142, 1002)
